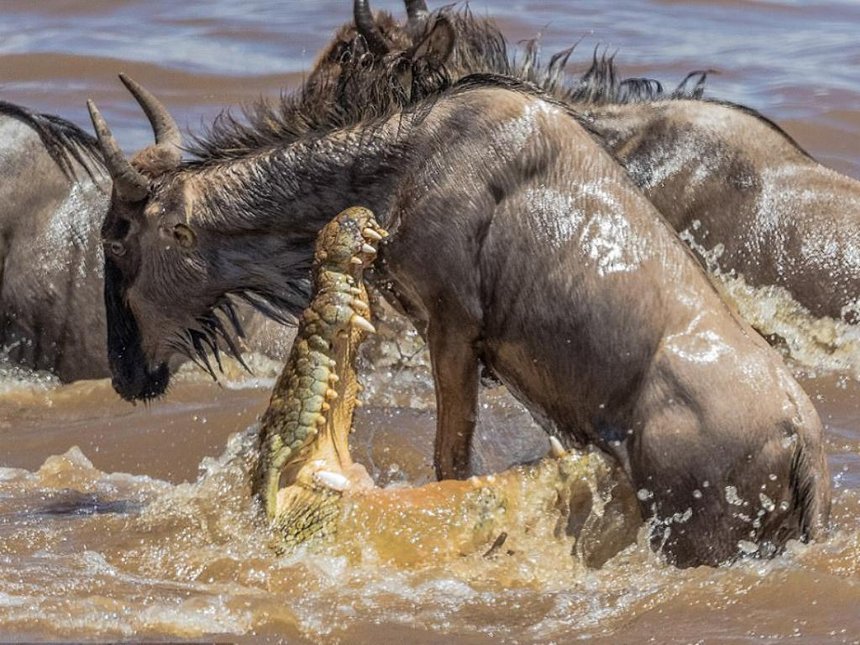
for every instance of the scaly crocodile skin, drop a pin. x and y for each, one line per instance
(310, 413)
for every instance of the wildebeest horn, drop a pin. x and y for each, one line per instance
(367, 27)
(416, 9)
(163, 126)
(129, 184)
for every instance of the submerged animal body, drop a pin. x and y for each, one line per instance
(313, 492)
(518, 242)
(746, 196)
(53, 195)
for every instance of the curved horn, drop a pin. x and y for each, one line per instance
(130, 184)
(163, 126)
(416, 9)
(367, 27)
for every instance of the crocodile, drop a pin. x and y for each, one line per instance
(314, 494)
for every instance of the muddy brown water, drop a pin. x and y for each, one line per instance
(130, 522)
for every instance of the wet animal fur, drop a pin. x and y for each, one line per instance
(599, 358)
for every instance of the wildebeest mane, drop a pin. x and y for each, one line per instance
(365, 88)
(67, 144)
(482, 48)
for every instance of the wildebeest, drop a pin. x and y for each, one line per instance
(53, 196)
(53, 199)
(743, 191)
(516, 241)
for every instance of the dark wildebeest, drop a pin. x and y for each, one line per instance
(742, 190)
(516, 241)
(53, 199)
(53, 196)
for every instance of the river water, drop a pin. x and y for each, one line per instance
(133, 522)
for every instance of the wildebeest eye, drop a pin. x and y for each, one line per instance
(184, 235)
(115, 247)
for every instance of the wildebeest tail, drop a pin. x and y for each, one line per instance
(66, 143)
(810, 492)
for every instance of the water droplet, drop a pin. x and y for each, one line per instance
(732, 496)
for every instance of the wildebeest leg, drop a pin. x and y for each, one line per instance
(455, 372)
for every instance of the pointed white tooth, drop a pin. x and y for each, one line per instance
(370, 233)
(359, 304)
(332, 480)
(556, 449)
(362, 323)
(366, 248)
(355, 260)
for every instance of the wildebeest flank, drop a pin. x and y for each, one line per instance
(516, 240)
(53, 197)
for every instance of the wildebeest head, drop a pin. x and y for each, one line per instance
(152, 253)
(175, 240)
(384, 46)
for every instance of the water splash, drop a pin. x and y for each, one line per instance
(816, 344)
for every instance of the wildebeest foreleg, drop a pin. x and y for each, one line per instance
(455, 372)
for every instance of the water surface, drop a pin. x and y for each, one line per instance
(127, 522)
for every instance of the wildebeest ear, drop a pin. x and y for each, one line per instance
(437, 44)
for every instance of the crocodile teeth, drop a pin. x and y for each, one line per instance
(355, 260)
(333, 378)
(370, 233)
(359, 304)
(325, 407)
(556, 449)
(330, 394)
(366, 248)
(321, 420)
(362, 323)
(332, 480)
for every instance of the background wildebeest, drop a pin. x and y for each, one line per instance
(516, 240)
(53, 199)
(746, 194)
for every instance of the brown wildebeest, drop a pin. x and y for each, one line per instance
(53, 199)
(728, 177)
(516, 240)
